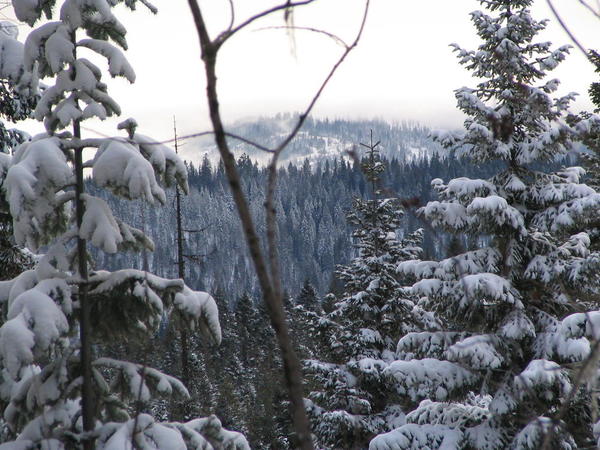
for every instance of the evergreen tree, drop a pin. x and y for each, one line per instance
(350, 402)
(307, 298)
(55, 391)
(594, 89)
(16, 103)
(303, 315)
(495, 378)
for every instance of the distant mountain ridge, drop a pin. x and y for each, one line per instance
(319, 140)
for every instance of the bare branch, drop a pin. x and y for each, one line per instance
(333, 70)
(153, 9)
(249, 142)
(232, 16)
(198, 230)
(335, 38)
(268, 274)
(223, 37)
(271, 221)
(567, 30)
(90, 142)
(590, 8)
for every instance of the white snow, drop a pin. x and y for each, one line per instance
(120, 167)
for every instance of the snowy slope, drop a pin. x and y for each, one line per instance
(319, 140)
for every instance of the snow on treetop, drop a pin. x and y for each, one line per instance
(11, 58)
(471, 262)
(465, 189)
(532, 436)
(117, 63)
(148, 434)
(446, 215)
(491, 288)
(497, 209)
(517, 325)
(34, 322)
(582, 324)
(99, 226)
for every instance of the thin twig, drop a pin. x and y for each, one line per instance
(232, 15)
(337, 39)
(316, 97)
(590, 8)
(271, 221)
(224, 36)
(567, 30)
(96, 143)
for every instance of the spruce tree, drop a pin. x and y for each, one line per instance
(350, 402)
(303, 315)
(502, 374)
(55, 390)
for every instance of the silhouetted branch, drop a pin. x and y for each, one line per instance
(224, 36)
(334, 37)
(567, 30)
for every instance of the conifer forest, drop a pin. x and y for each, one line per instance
(294, 280)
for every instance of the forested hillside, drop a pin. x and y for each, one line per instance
(312, 205)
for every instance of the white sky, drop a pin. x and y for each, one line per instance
(403, 69)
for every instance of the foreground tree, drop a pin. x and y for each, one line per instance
(55, 391)
(351, 403)
(508, 370)
(16, 103)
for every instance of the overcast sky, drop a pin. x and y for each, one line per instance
(403, 68)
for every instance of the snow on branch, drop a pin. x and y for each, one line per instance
(117, 63)
(412, 436)
(39, 171)
(429, 378)
(139, 380)
(199, 309)
(120, 167)
(166, 163)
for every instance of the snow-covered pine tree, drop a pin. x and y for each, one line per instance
(54, 391)
(16, 103)
(496, 377)
(350, 402)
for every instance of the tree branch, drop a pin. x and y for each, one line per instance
(567, 30)
(335, 38)
(224, 36)
(268, 274)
